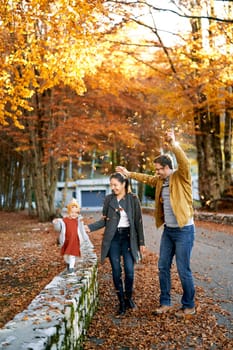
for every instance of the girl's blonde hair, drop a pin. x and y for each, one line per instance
(73, 203)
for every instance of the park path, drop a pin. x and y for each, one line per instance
(212, 262)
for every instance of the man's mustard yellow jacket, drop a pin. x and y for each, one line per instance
(180, 187)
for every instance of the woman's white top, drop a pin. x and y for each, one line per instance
(124, 221)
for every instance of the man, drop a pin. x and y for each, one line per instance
(173, 209)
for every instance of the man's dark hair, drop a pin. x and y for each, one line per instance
(164, 160)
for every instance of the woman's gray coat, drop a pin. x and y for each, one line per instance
(111, 217)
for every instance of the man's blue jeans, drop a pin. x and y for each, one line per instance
(178, 242)
(120, 246)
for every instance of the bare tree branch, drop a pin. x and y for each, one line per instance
(138, 2)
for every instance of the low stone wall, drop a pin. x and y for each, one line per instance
(59, 316)
(219, 218)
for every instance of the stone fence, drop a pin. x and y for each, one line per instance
(218, 218)
(58, 318)
(210, 216)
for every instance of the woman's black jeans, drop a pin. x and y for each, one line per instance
(120, 246)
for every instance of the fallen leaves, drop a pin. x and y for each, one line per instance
(30, 259)
(139, 329)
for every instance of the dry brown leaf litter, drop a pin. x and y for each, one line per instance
(30, 259)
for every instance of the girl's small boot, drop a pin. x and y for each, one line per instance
(69, 269)
(122, 307)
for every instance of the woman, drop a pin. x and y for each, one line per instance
(123, 236)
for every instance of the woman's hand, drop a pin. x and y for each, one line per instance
(87, 228)
(142, 249)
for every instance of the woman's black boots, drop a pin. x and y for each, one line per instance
(129, 303)
(122, 307)
(126, 302)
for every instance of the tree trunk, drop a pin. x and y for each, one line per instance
(29, 191)
(44, 172)
(209, 156)
(12, 195)
(44, 185)
(208, 134)
(228, 132)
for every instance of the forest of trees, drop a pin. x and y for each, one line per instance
(82, 79)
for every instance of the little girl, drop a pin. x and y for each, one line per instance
(72, 235)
